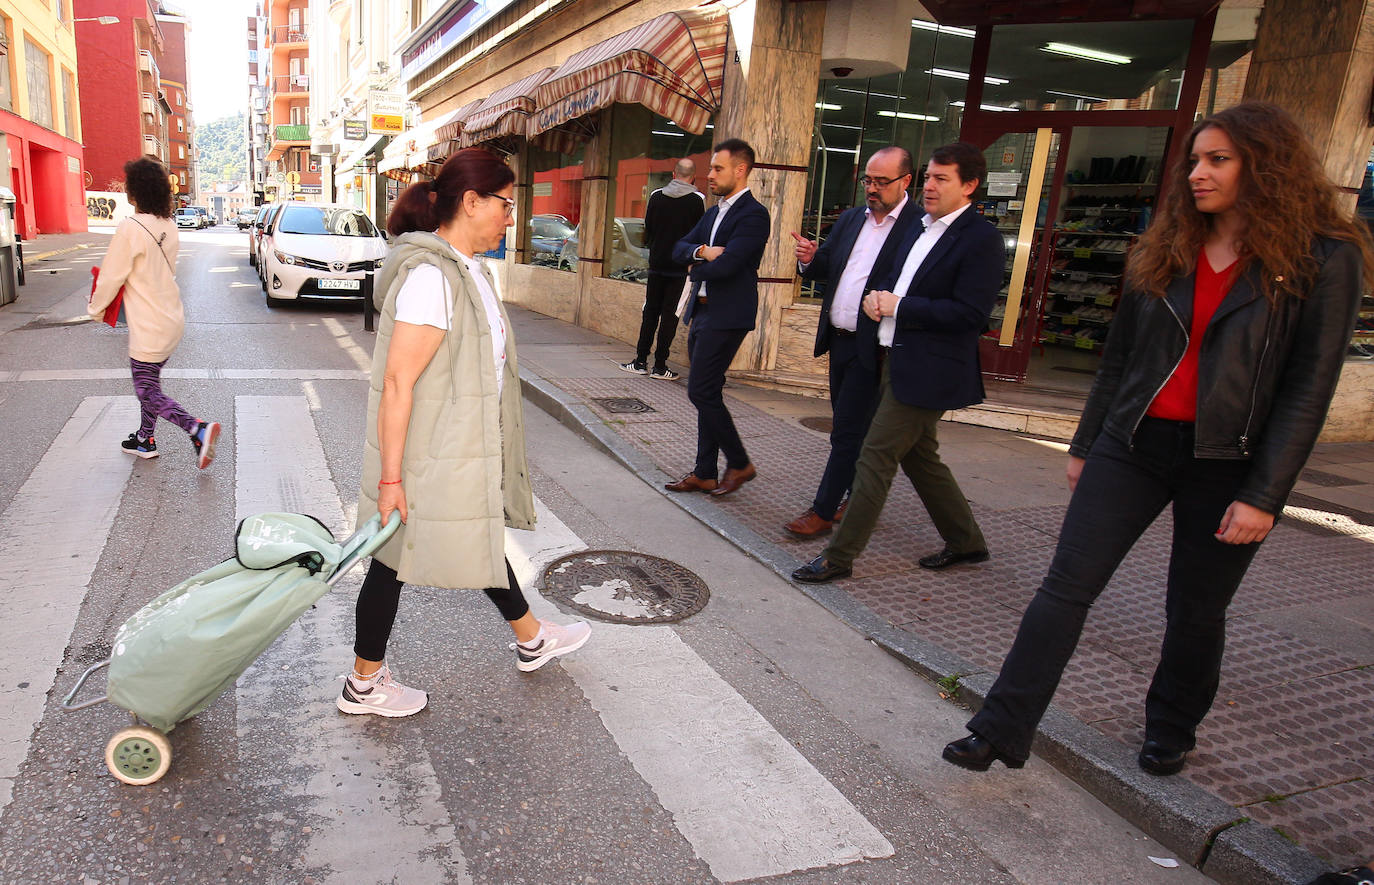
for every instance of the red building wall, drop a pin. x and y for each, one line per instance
(107, 67)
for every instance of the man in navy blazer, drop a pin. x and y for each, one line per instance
(927, 319)
(724, 251)
(861, 247)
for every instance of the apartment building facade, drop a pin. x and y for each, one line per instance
(285, 73)
(39, 115)
(175, 84)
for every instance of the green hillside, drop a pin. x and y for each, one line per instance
(222, 149)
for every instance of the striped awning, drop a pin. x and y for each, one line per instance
(447, 134)
(504, 112)
(673, 64)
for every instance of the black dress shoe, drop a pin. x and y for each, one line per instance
(821, 571)
(1158, 759)
(976, 754)
(947, 557)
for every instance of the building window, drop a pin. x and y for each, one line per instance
(555, 208)
(182, 176)
(181, 125)
(180, 101)
(181, 152)
(61, 11)
(39, 77)
(6, 89)
(69, 108)
(644, 149)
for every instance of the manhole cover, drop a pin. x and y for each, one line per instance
(818, 424)
(624, 587)
(621, 405)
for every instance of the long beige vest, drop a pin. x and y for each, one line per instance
(464, 469)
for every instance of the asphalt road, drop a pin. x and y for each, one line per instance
(759, 739)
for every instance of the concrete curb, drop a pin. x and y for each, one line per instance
(1203, 830)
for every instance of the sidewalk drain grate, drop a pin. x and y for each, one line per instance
(818, 423)
(623, 405)
(622, 587)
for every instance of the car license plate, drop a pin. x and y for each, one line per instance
(340, 284)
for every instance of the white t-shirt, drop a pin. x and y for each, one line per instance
(424, 299)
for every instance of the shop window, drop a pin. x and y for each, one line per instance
(6, 86)
(644, 150)
(1228, 57)
(1101, 66)
(555, 208)
(854, 118)
(38, 75)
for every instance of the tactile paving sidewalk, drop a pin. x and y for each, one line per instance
(1290, 740)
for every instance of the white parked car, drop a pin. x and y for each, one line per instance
(319, 251)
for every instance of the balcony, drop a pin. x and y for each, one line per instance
(148, 65)
(295, 84)
(295, 132)
(152, 146)
(287, 35)
(147, 104)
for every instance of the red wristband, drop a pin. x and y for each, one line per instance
(394, 482)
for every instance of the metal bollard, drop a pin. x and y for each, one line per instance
(369, 314)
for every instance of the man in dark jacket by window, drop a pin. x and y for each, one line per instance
(671, 212)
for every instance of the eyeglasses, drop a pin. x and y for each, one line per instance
(510, 204)
(870, 181)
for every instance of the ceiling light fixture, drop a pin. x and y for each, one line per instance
(1083, 52)
(837, 150)
(963, 75)
(1076, 95)
(986, 107)
(869, 94)
(901, 115)
(823, 106)
(942, 29)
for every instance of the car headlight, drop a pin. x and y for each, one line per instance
(283, 257)
(378, 262)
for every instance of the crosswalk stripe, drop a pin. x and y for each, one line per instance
(748, 802)
(379, 798)
(118, 374)
(51, 537)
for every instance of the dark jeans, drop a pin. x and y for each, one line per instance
(381, 595)
(661, 295)
(712, 351)
(1120, 493)
(853, 396)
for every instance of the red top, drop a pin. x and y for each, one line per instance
(1177, 401)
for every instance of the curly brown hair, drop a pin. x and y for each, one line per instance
(1286, 201)
(147, 184)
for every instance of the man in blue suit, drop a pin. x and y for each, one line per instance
(861, 246)
(927, 318)
(724, 251)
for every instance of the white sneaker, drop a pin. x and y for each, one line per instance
(380, 694)
(553, 640)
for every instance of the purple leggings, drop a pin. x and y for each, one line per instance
(155, 403)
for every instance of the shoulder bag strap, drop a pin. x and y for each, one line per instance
(159, 241)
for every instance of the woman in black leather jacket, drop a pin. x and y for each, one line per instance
(1217, 374)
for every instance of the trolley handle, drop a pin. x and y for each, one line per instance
(71, 695)
(365, 542)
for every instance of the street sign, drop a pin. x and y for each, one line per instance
(293, 177)
(280, 176)
(386, 112)
(173, 179)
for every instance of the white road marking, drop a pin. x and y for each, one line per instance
(375, 790)
(51, 538)
(748, 802)
(25, 375)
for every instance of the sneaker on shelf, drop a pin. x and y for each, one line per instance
(203, 441)
(139, 448)
(664, 374)
(634, 367)
(381, 695)
(553, 640)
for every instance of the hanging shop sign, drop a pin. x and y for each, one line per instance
(355, 130)
(464, 16)
(386, 112)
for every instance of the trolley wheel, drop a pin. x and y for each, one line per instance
(138, 755)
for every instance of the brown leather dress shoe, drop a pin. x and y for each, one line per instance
(733, 479)
(691, 483)
(809, 525)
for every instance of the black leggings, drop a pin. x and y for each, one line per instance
(381, 594)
